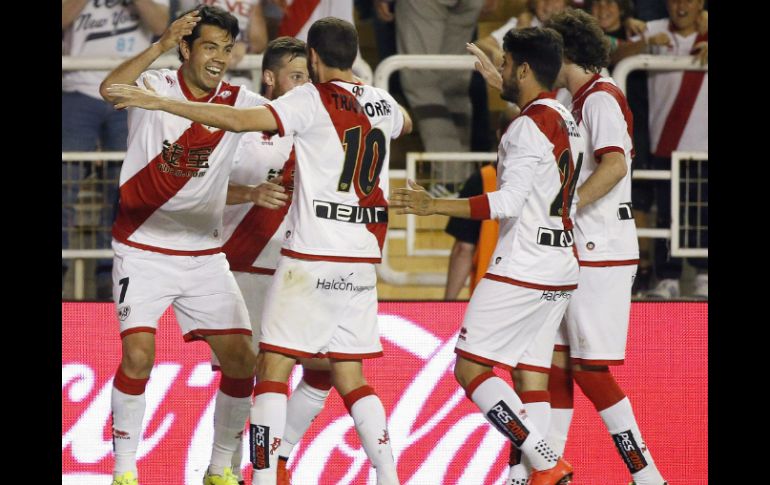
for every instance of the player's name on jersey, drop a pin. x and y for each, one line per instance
(348, 103)
(350, 213)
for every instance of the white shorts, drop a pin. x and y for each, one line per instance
(503, 320)
(253, 287)
(322, 309)
(597, 317)
(202, 290)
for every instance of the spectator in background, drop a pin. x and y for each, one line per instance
(678, 121)
(439, 99)
(252, 38)
(99, 29)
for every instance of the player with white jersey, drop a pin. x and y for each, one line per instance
(336, 227)
(168, 235)
(594, 333)
(253, 236)
(534, 269)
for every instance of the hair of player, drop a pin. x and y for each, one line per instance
(541, 48)
(280, 47)
(584, 41)
(335, 41)
(626, 7)
(210, 16)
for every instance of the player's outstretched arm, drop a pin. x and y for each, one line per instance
(267, 194)
(608, 173)
(217, 115)
(414, 199)
(407, 128)
(128, 72)
(486, 67)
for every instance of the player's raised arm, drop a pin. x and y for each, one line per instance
(217, 115)
(128, 72)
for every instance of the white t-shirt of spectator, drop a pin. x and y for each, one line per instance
(240, 9)
(173, 182)
(684, 91)
(342, 134)
(103, 29)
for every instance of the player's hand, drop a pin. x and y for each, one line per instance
(701, 53)
(486, 67)
(412, 199)
(702, 22)
(661, 39)
(269, 195)
(635, 27)
(382, 9)
(179, 28)
(125, 96)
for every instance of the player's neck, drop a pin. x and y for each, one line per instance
(326, 74)
(576, 77)
(528, 93)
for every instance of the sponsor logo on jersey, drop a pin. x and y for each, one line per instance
(258, 438)
(170, 81)
(505, 420)
(557, 238)
(341, 284)
(182, 162)
(630, 451)
(350, 213)
(556, 295)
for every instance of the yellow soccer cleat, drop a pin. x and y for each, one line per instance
(127, 478)
(226, 478)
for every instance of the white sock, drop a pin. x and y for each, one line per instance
(236, 461)
(127, 416)
(503, 408)
(230, 415)
(540, 414)
(621, 423)
(305, 403)
(268, 418)
(371, 425)
(559, 429)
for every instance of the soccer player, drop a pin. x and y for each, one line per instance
(533, 270)
(323, 298)
(253, 236)
(598, 313)
(168, 235)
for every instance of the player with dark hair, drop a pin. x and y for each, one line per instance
(519, 303)
(168, 233)
(336, 227)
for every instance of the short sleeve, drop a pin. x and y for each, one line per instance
(605, 124)
(161, 81)
(295, 111)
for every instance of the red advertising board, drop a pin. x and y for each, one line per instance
(438, 436)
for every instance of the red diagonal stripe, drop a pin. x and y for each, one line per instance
(296, 16)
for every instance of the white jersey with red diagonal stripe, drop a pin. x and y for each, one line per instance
(538, 159)
(173, 183)
(342, 134)
(299, 15)
(254, 234)
(679, 114)
(605, 232)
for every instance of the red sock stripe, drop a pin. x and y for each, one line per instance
(129, 385)
(320, 379)
(561, 389)
(350, 398)
(236, 387)
(535, 396)
(271, 386)
(476, 382)
(514, 457)
(600, 388)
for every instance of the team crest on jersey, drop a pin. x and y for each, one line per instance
(181, 162)
(124, 312)
(224, 94)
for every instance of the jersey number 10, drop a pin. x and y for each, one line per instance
(365, 162)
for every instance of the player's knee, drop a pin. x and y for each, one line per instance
(239, 360)
(138, 360)
(463, 372)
